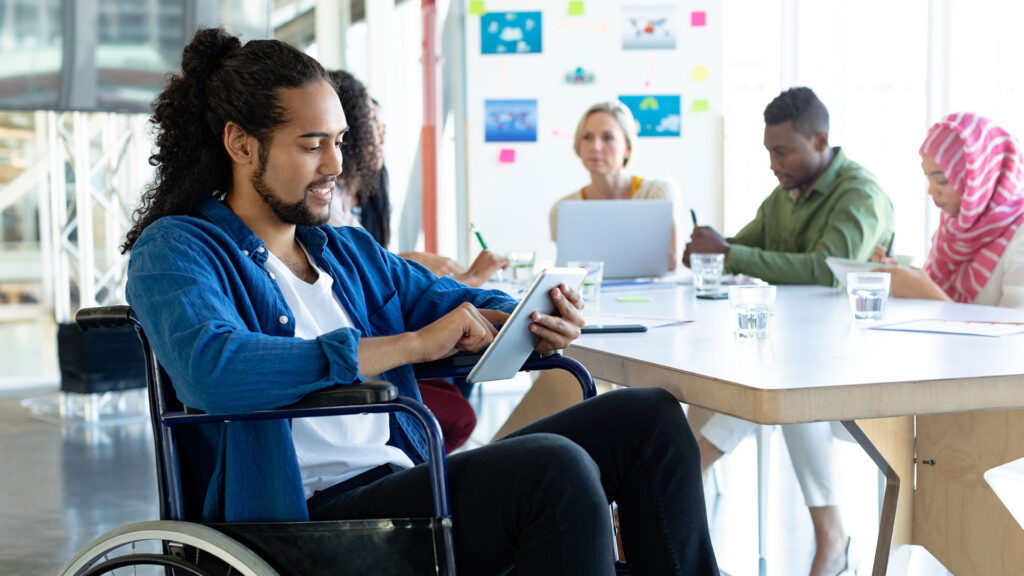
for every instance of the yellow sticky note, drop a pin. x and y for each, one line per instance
(575, 7)
(476, 8)
(701, 106)
(699, 74)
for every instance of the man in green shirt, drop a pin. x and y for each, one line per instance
(825, 204)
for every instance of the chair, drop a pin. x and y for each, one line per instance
(181, 546)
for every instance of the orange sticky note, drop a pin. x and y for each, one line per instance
(699, 74)
(701, 106)
(507, 156)
(698, 19)
(476, 8)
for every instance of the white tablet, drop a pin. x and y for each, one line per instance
(514, 342)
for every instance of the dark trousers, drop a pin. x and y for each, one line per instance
(538, 499)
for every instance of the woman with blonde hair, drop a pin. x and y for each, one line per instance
(605, 139)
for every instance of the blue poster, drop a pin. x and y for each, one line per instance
(656, 115)
(510, 121)
(510, 33)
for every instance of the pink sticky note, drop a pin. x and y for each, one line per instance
(698, 19)
(507, 156)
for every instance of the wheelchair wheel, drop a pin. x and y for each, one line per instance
(165, 547)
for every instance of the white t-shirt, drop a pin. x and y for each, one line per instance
(330, 449)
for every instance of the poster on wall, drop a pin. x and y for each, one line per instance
(511, 33)
(656, 115)
(649, 27)
(510, 121)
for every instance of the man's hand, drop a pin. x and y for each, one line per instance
(482, 268)
(464, 328)
(705, 240)
(557, 332)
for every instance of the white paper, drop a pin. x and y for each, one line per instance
(843, 266)
(971, 328)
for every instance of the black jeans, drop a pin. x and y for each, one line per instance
(538, 499)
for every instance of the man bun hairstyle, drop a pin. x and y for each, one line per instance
(800, 106)
(221, 81)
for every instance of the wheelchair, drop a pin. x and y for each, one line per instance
(178, 545)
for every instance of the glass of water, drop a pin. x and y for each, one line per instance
(707, 273)
(753, 306)
(591, 289)
(868, 293)
(521, 265)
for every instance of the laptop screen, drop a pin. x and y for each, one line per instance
(631, 237)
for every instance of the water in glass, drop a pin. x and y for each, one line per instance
(752, 320)
(868, 303)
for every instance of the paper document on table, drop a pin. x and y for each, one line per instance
(599, 319)
(968, 327)
(842, 266)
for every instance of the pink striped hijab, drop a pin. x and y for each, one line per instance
(983, 163)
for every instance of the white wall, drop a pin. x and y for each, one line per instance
(509, 203)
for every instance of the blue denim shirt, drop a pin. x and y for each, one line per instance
(224, 334)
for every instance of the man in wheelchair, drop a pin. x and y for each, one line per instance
(250, 301)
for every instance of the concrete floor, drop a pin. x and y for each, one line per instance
(61, 487)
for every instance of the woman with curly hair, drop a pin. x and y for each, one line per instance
(361, 196)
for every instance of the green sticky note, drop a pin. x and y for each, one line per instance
(633, 299)
(476, 8)
(575, 7)
(701, 106)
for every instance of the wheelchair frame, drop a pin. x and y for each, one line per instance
(174, 532)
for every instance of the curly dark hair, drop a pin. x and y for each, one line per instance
(221, 81)
(357, 149)
(802, 107)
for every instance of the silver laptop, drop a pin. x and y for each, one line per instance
(631, 237)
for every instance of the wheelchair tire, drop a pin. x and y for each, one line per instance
(120, 547)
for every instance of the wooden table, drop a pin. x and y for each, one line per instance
(961, 393)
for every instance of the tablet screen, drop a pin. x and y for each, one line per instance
(514, 342)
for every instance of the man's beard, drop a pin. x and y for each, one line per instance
(297, 213)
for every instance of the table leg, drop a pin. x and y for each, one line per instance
(958, 516)
(889, 444)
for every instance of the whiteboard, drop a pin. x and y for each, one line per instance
(509, 201)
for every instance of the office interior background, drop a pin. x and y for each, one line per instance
(886, 70)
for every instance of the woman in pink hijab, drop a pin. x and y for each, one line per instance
(975, 176)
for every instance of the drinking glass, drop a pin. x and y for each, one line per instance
(753, 306)
(707, 273)
(868, 293)
(521, 265)
(591, 289)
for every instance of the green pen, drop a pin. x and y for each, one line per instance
(480, 239)
(633, 299)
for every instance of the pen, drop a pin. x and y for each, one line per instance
(693, 215)
(633, 299)
(888, 249)
(480, 239)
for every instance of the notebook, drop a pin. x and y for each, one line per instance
(631, 237)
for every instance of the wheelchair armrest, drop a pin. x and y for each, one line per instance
(103, 317)
(461, 363)
(370, 392)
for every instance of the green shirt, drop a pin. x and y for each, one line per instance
(845, 214)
